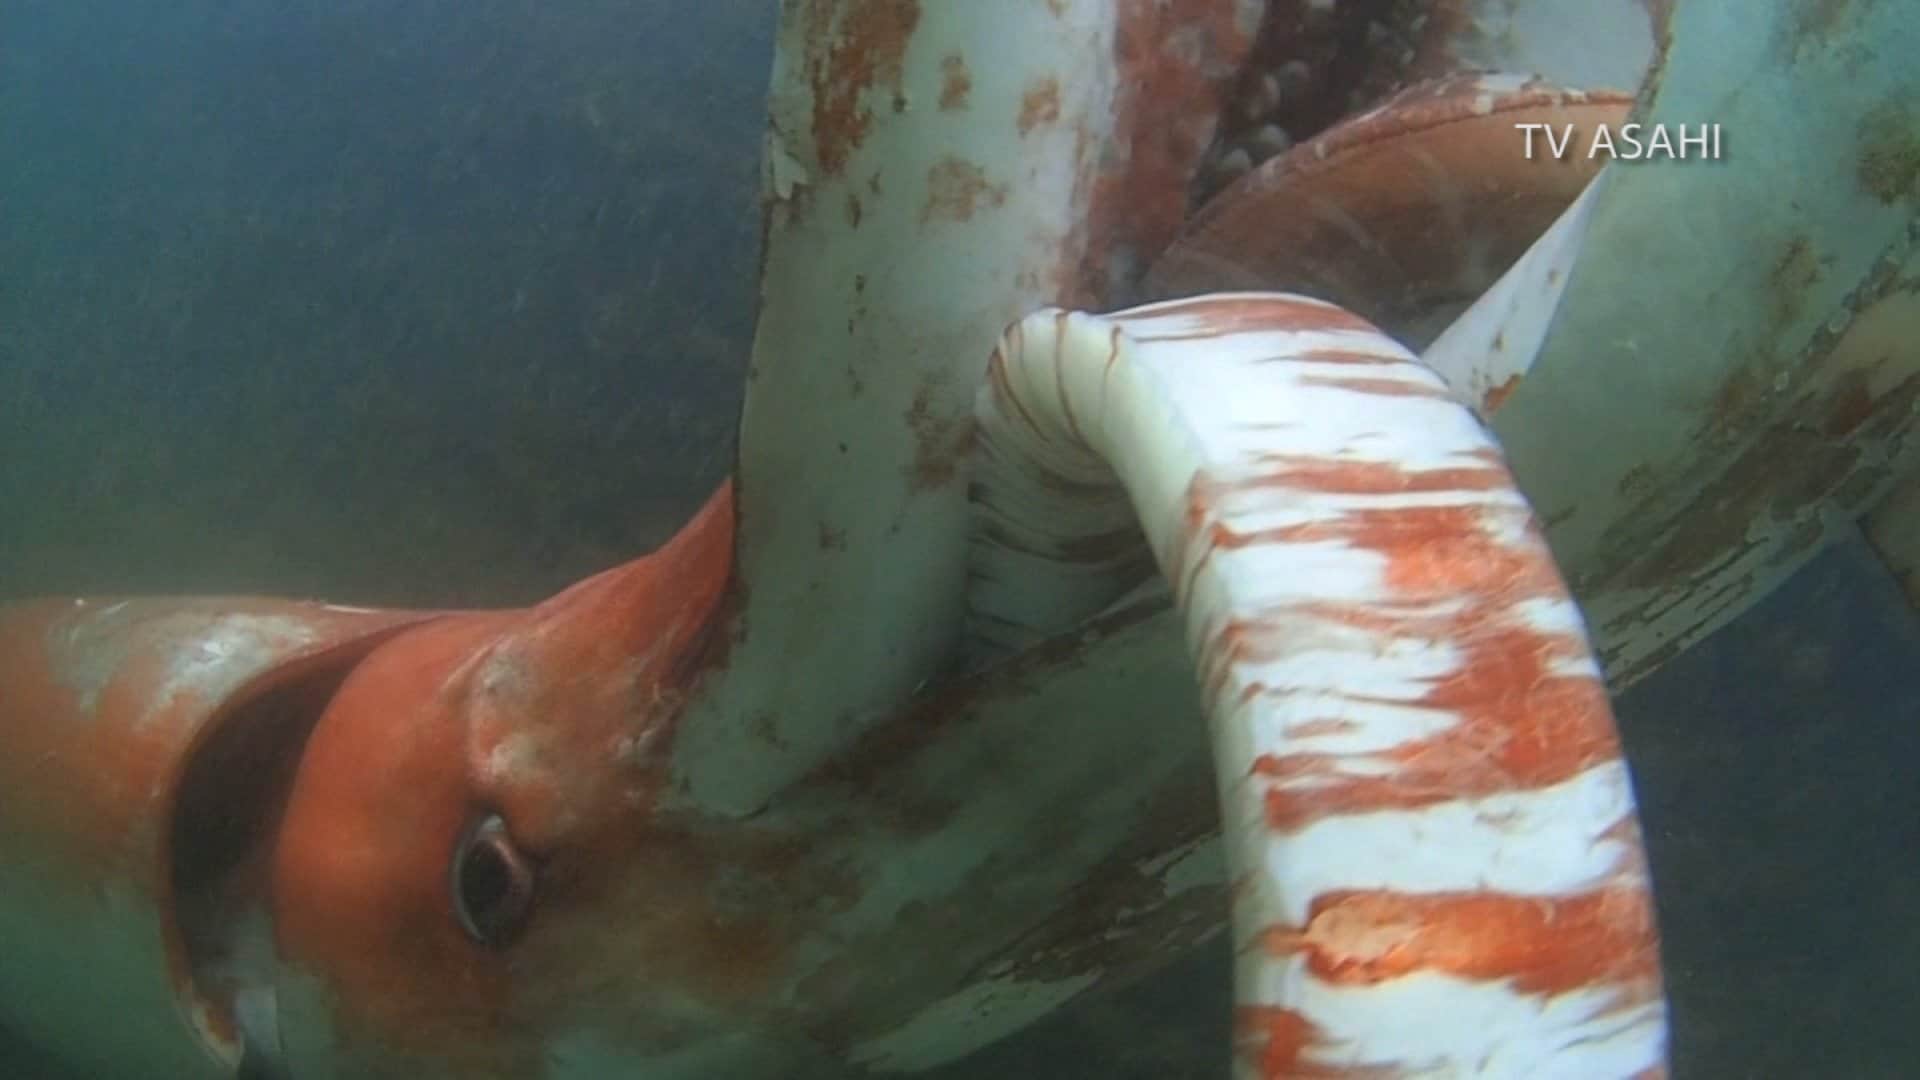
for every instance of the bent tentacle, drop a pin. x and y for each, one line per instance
(1430, 827)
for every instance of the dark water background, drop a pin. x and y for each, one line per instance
(447, 302)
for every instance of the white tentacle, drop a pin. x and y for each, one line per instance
(1430, 826)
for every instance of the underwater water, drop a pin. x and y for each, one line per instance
(440, 303)
(449, 303)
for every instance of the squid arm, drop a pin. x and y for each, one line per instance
(933, 172)
(1430, 829)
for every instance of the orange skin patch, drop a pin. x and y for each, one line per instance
(106, 704)
(556, 718)
(1520, 728)
(1384, 387)
(360, 870)
(47, 727)
(1520, 731)
(1170, 96)
(1364, 478)
(1547, 945)
(1521, 724)
(1543, 945)
(1275, 1041)
(103, 700)
(1523, 719)
(847, 63)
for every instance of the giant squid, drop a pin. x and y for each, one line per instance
(1124, 370)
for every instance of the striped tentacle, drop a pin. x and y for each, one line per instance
(1436, 858)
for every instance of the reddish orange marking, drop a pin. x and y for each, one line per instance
(1223, 315)
(1176, 62)
(1519, 724)
(1626, 833)
(1308, 729)
(956, 82)
(1275, 1040)
(1324, 476)
(1040, 104)
(1545, 945)
(956, 189)
(1340, 356)
(1518, 728)
(869, 52)
(1386, 387)
(1498, 396)
(1431, 550)
(1272, 1038)
(1420, 532)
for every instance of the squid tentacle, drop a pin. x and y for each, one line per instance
(1431, 831)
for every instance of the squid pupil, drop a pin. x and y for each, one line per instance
(486, 881)
(493, 884)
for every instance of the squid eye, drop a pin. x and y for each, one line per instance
(492, 883)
